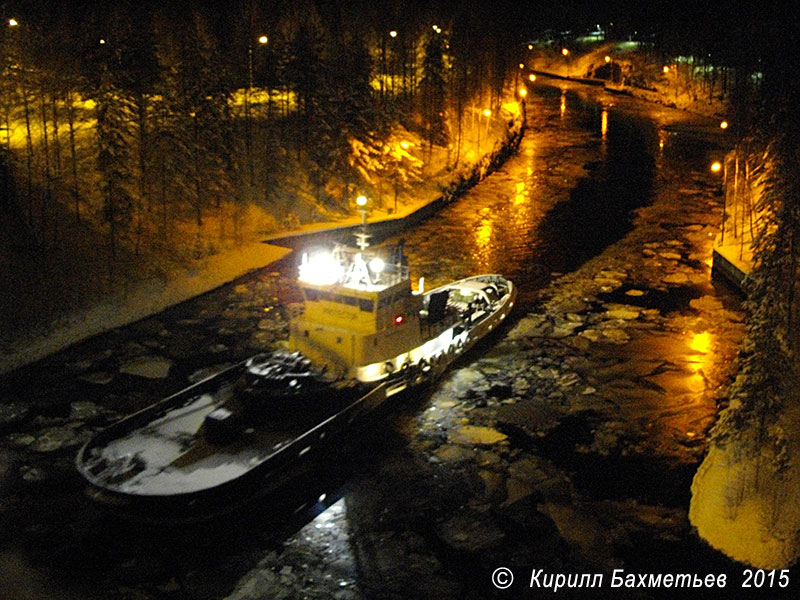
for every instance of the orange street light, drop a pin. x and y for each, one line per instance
(521, 65)
(487, 112)
(530, 46)
(723, 125)
(665, 69)
(523, 92)
(263, 39)
(608, 58)
(565, 52)
(532, 77)
(715, 167)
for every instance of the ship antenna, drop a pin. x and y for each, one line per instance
(362, 236)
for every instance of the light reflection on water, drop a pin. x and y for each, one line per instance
(540, 213)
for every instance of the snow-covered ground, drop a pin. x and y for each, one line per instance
(149, 298)
(138, 300)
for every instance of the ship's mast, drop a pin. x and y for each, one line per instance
(362, 237)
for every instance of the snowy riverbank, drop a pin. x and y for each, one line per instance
(154, 295)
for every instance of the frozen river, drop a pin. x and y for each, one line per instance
(568, 442)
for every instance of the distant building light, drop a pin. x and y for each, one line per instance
(12, 22)
(393, 33)
(263, 39)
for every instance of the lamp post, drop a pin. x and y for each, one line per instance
(565, 53)
(248, 121)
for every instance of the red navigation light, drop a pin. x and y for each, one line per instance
(398, 319)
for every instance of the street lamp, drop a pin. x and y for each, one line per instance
(12, 22)
(565, 53)
(263, 39)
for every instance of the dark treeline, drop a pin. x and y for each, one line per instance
(141, 117)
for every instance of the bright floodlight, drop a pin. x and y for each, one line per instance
(12, 22)
(608, 58)
(361, 200)
(523, 92)
(487, 112)
(715, 167)
(263, 39)
(321, 268)
(376, 265)
(723, 125)
(393, 33)
(532, 77)
(565, 52)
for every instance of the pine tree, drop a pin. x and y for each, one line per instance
(114, 117)
(433, 92)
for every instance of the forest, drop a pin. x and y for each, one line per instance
(147, 121)
(135, 136)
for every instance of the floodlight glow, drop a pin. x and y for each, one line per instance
(376, 265)
(320, 268)
(361, 200)
(716, 167)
